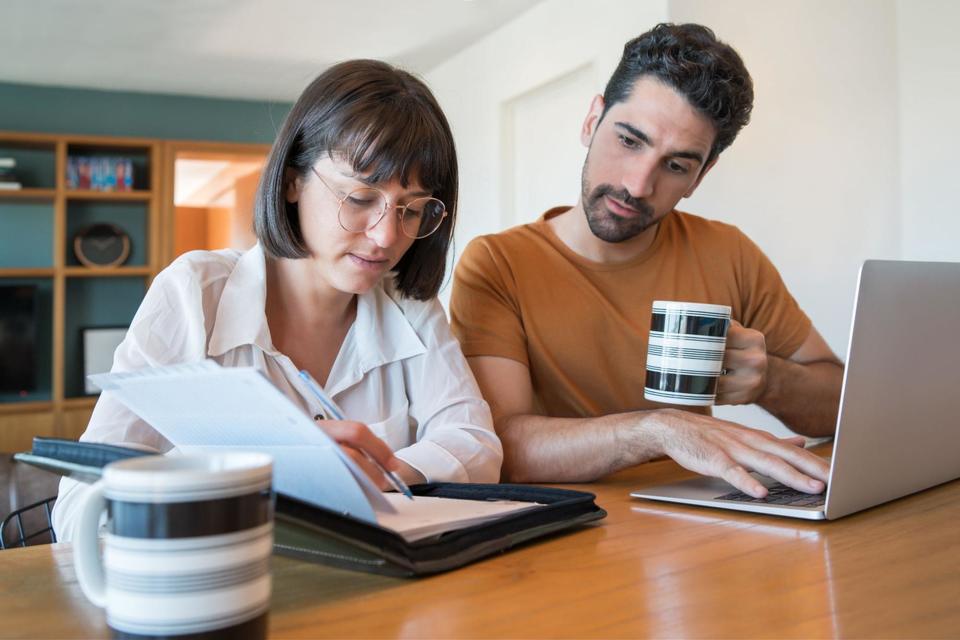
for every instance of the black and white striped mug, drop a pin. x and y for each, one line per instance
(685, 352)
(187, 548)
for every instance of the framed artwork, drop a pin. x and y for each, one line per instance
(98, 344)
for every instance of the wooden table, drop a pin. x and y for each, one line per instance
(647, 570)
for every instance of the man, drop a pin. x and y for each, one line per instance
(554, 315)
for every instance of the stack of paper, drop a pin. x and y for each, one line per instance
(205, 406)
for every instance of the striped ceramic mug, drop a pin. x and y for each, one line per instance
(685, 352)
(187, 549)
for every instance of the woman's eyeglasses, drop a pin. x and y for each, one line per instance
(362, 209)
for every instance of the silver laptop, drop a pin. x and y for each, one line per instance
(898, 429)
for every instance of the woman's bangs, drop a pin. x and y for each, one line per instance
(406, 147)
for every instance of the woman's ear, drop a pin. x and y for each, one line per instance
(292, 183)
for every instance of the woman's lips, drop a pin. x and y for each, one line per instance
(368, 262)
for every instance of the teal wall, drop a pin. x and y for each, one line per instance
(121, 113)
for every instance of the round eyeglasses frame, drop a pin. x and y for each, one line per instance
(400, 214)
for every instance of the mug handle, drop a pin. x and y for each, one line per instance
(86, 547)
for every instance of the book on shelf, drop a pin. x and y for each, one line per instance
(8, 177)
(99, 173)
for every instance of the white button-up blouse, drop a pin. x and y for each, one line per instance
(399, 370)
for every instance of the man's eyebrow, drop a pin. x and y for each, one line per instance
(640, 135)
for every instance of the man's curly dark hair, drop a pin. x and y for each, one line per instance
(690, 59)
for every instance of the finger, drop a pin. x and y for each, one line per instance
(741, 338)
(736, 475)
(772, 465)
(751, 358)
(359, 436)
(734, 396)
(792, 450)
(366, 466)
(737, 334)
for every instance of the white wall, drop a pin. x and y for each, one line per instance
(848, 155)
(541, 155)
(929, 69)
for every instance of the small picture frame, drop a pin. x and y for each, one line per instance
(98, 345)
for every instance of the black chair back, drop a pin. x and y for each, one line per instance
(33, 525)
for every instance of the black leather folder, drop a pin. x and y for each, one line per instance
(312, 533)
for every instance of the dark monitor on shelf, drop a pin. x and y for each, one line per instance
(18, 338)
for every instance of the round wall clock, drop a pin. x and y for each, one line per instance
(101, 245)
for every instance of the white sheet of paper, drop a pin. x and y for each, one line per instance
(205, 405)
(427, 516)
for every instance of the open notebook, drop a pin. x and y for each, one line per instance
(204, 406)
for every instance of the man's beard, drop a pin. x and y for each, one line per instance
(607, 226)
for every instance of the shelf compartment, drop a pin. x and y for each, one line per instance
(94, 302)
(129, 216)
(26, 232)
(140, 156)
(36, 163)
(41, 390)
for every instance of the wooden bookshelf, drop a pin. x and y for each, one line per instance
(37, 223)
(28, 194)
(106, 272)
(85, 194)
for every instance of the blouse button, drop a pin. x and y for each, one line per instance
(318, 417)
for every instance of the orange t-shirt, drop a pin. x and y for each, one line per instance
(581, 326)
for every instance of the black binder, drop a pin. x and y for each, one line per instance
(312, 533)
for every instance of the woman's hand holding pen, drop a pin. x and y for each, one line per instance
(355, 438)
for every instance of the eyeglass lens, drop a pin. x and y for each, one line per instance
(363, 208)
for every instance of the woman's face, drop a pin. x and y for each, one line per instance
(350, 261)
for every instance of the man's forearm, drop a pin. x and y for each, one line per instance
(542, 449)
(806, 397)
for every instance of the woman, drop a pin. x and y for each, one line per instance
(354, 216)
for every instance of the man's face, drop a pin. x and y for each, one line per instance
(646, 154)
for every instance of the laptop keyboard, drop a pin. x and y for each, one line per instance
(779, 494)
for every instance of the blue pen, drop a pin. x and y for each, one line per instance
(334, 411)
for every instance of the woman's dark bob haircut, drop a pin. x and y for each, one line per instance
(387, 125)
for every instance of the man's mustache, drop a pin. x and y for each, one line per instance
(623, 196)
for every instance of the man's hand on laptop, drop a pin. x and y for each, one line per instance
(727, 450)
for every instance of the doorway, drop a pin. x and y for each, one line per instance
(209, 196)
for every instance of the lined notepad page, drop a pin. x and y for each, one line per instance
(204, 406)
(427, 516)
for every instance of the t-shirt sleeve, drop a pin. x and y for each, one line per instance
(768, 305)
(484, 311)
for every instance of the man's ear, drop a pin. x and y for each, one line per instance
(292, 184)
(592, 121)
(700, 177)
